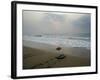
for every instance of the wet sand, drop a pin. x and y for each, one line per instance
(34, 58)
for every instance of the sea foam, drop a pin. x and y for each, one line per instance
(58, 41)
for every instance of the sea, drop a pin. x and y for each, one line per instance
(66, 40)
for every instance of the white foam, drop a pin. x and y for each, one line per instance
(59, 41)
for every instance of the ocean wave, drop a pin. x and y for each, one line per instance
(67, 42)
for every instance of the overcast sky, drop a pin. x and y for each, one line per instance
(36, 22)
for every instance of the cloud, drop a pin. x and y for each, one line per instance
(83, 24)
(35, 22)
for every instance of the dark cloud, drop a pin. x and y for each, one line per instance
(83, 23)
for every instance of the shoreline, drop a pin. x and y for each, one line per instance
(52, 48)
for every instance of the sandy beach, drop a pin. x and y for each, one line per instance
(34, 58)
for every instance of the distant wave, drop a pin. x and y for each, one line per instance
(67, 42)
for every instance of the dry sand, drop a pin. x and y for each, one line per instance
(36, 58)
